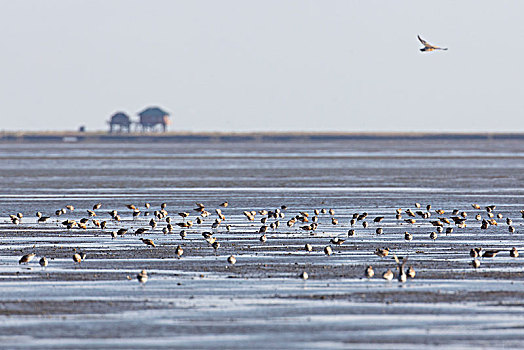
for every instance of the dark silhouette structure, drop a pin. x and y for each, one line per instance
(119, 122)
(152, 117)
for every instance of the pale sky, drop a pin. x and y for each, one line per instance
(264, 65)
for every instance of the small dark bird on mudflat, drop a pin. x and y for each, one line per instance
(475, 263)
(475, 252)
(26, 258)
(370, 272)
(388, 275)
(179, 251)
(77, 258)
(148, 242)
(382, 252)
(490, 253)
(402, 276)
(142, 277)
(337, 241)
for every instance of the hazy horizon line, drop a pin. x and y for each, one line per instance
(255, 132)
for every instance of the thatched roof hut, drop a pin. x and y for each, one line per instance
(153, 116)
(119, 122)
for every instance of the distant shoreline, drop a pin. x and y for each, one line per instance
(64, 136)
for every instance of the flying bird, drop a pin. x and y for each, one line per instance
(428, 46)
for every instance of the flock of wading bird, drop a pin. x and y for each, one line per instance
(270, 220)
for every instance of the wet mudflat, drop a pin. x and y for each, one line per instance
(201, 301)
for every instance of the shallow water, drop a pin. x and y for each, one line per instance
(199, 301)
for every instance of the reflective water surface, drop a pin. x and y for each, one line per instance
(200, 301)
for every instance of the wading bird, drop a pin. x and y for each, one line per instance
(26, 258)
(142, 277)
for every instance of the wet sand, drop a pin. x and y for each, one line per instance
(200, 301)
